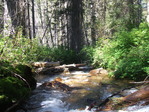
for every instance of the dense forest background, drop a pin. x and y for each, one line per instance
(99, 32)
(113, 34)
(70, 23)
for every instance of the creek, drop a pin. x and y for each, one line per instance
(86, 90)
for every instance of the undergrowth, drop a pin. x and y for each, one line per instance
(126, 54)
(23, 50)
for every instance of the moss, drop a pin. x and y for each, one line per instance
(26, 72)
(14, 88)
(4, 102)
(5, 69)
(11, 90)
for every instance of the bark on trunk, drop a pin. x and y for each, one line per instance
(76, 14)
(1, 17)
(19, 16)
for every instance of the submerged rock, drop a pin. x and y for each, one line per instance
(99, 71)
(57, 85)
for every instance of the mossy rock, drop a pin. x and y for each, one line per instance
(15, 83)
(5, 102)
(26, 72)
(11, 90)
(13, 87)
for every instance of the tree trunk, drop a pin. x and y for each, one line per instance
(29, 20)
(148, 11)
(33, 19)
(93, 23)
(1, 17)
(135, 13)
(19, 16)
(76, 18)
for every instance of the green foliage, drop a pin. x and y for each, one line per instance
(115, 15)
(87, 53)
(13, 88)
(5, 69)
(127, 53)
(15, 83)
(23, 50)
(17, 50)
(64, 55)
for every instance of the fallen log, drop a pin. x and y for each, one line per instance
(48, 71)
(132, 99)
(138, 95)
(45, 64)
(58, 69)
(70, 66)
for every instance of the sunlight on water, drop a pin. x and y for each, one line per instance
(38, 84)
(143, 109)
(54, 105)
(78, 72)
(137, 108)
(129, 109)
(46, 101)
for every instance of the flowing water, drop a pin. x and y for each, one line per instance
(87, 89)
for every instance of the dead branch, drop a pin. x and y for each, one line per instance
(141, 82)
(24, 80)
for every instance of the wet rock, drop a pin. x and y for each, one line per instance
(57, 85)
(58, 79)
(26, 72)
(16, 87)
(98, 71)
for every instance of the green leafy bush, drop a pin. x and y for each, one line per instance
(23, 50)
(87, 53)
(18, 50)
(127, 53)
(13, 88)
(64, 55)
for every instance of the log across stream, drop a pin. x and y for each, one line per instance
(77, 91)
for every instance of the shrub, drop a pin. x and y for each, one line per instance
(23, 50)
(127, 53)
(64, 55)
